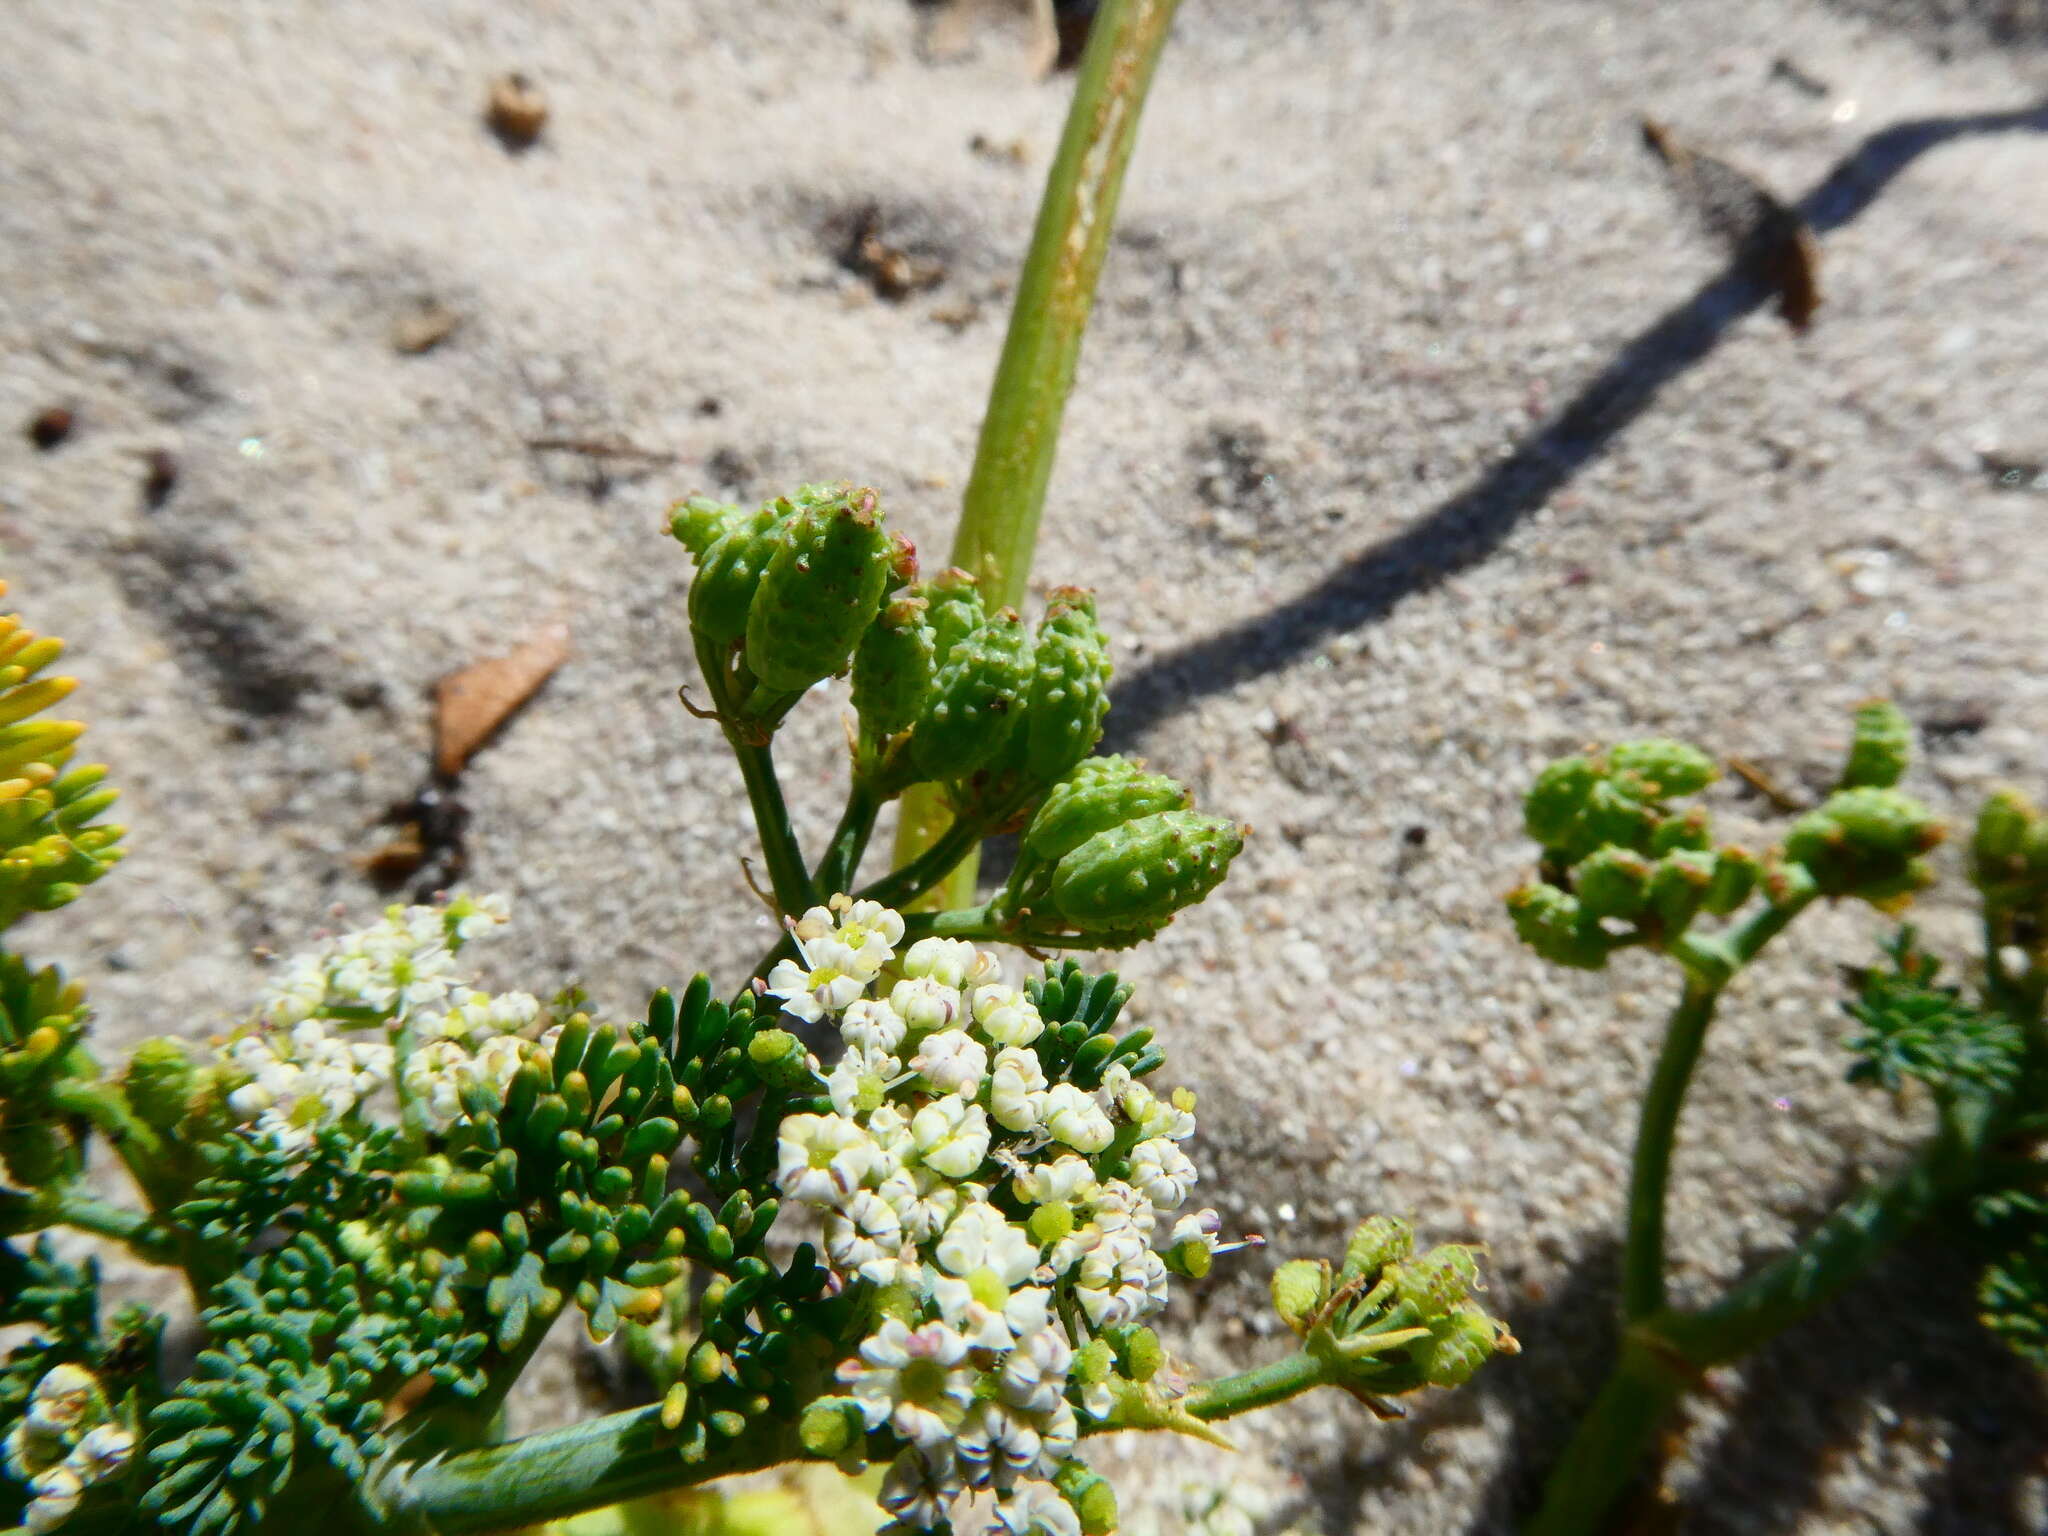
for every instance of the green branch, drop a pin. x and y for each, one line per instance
(1005, 495)
(1642, 1264)
(562, 1472)
(789, 876)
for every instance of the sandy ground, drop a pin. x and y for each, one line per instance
(1419, 439)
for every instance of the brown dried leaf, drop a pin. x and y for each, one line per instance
(471, 704)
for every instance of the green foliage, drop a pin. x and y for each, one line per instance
(1881, 749)
(1913, 1028)
(2012, 1290)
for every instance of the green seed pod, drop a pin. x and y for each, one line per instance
(728, 573)
(1102, 792)
(1090, 1496)
(1692, 828)
(1136, 876)
(700, 522)
(830, 1425)
(1551, 809)
(1881, 748)
(954, 610)
(1864, 842)
(1550, 922)
(1735, 876)
(780, 1060)
(1459, 1343)
(1070, 673)
(1615, 818)
(1998, 847)
(1612, 882)
(974, 700)
(1300, 1287)
(892, 669)
(1679, 888)
(1138, 1351)
(160, 1081)
(819, 591)
(1435, 1282)
(1662, 768)
(1378, 1242)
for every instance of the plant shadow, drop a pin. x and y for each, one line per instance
(1471, 525)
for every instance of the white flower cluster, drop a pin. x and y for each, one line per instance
(64, 1442)
(1016, 1214)
(304, 1066)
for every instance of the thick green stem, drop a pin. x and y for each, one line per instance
(563, 1472)
(903, 886)
(981, 924)
(1020, 432)
(1642, 1264)
(1260, 1387)
(1611, 1444)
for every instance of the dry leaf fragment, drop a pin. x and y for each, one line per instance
(1765, 235)
(470, 704)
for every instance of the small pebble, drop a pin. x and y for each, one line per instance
(159, 479)
(517, 111)
(51, 426)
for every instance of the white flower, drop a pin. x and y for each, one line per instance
(1162, 1172)
(1036, 1509)
(920, 1486)
(995, 1446)
(978, 1238)
(1016, 1090)
(925, 1005)
(872, 1025)
(62, 1399)
(1120, 1280)
(821, 1159)
(1152, 1115)
(299, 993)
(1065, 1178)
(1073, 1117)
(952, 1061)
(916, 1381)
(856, 937)
(101, 1452)
(923, 1201)
(469, 917)
(1033, 1377)
(864, 1238)
(951, 1136)
(1006, 1015)
(859, 1079)
(1196, 1227)
(889, 1126)
(949, 962)
(812, 993)
(56, 1492)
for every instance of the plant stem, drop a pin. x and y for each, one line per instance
(60, 1206)
(902, 886)
(563, 1472)
(788, 875)
(1019, 434)
(849, 841)
(1642, 1263)
(1260, 1387)
(1612, 1442)
(980, 923)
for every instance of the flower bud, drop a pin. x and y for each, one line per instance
(1438, 1280)
(728, 573)
(818, 592)
(1659, 768)
(1093, 1500)
(892, 669)
(1611, 882)
(1691, 829)
(1133, 878)
(1378, 1242)
(1864, 842)
(1460, 1341)
(1550, 922)
(1102, 792)
(779, 1059)
(974, 700)
(1300, 1287)
(830, 1425)
(700, 522)
(1998, 848)
(1551, 809)
(1069, 686)
(1880, 749)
